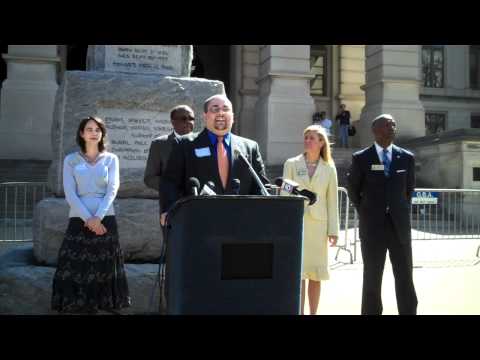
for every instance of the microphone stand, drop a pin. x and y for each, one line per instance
(254, 174)
(162, 306)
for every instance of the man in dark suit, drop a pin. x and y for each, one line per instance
(212, 155)
(380, 185)
(182, 118)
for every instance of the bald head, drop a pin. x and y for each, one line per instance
(384, 128)
(380, 118)
(182, 118)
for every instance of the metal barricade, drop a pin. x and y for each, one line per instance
(436, 214)
(17, 201)
(446, 214)
(348, 226)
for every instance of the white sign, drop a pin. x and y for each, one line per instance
(425, 198)
(130, 133)
(144, 59)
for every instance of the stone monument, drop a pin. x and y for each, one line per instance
(133, 88)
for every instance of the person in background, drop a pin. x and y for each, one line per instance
(381, 181)
(322, 120)
(343, 117)
(315, 170)
(182, 118)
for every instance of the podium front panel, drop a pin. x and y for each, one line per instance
(235, 255)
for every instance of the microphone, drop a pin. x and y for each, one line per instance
(291, 187)
(252, 172)
(273, 189)
(211, 185)
(287, 185)
(236, 186)
(193, 186)
(312, 197)
(208, 189)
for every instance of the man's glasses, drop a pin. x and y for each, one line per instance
(216, 109)
(185, 118)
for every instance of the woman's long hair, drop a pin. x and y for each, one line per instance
(325, 152)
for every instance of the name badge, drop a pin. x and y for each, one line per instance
(301, 172)
(203, 152)
(377, 167)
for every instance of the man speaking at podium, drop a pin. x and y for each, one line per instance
(215, 155)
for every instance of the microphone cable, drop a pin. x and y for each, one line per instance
(160, 278)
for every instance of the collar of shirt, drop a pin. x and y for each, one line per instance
(380, 151)
(177, 135)
(214, 138)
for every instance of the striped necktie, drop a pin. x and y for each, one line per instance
(222, 160)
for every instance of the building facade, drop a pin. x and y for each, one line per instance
(275, 89)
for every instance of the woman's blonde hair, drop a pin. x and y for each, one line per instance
(325, 153)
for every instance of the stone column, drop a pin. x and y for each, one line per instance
(27, 101)
(247, 89)
(393, 75)
(284, 107)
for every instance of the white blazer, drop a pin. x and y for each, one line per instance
(324, 183)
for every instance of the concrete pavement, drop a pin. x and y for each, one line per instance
(446, 276)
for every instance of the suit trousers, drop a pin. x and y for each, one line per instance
(374, 253)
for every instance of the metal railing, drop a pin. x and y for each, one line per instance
(445, 214)
(17, 201)
(348, 226)
(436, 214)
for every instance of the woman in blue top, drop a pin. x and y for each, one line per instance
(90, 274)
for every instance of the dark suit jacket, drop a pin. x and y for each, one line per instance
(372, 192)
(157, 160)
(158, 156)
(186, 161)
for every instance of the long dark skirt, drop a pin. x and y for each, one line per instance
(90, 274)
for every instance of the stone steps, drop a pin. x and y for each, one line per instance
(25, 287)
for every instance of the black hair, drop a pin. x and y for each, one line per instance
(81, 128)
(180, 108)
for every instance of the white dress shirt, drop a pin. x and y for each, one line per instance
(380, 152)
(177, 135)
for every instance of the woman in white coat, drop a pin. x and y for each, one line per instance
(315, 170)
